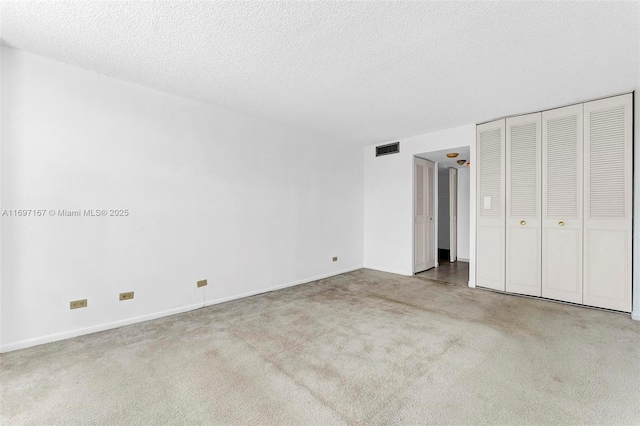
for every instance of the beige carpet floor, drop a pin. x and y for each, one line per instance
(360, 348)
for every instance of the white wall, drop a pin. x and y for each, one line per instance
(248, 205)
(464, 212)
(443, 209)
(388, 213)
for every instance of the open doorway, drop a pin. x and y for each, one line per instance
(447, 214)
(452, 211)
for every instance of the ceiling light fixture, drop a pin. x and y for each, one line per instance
(469, 165)
(461, 162)
(452, 154)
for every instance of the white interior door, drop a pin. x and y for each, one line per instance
(490, 223)
(562, 222)
(524, 204)
(453, 215)
(608, 154)
(432, 244)
(423, 223)
(420, 215)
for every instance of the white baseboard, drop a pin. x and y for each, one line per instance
(635, 316)
(93, 329)
(391, 271)
(279, 287)
(316, 278)
(462, 259)
(120, 323)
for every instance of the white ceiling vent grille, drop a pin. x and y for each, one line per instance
(392, 148)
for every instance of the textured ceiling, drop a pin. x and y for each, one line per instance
(360, 72)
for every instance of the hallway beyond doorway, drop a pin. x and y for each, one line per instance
(454, 273)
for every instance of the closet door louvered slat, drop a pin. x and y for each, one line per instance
(523, 196)
(562, 203)
(607, 208)
(490, 237)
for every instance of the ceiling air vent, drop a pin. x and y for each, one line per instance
(392, 148)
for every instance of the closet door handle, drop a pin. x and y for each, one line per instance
(523, 222)
(561, 223)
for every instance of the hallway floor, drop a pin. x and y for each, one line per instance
(453, 273)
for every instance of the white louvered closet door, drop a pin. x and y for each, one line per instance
(490, 237)
(423, 222)
(608, 195)
(420, 215)
(562, 203)
(524, 199)
(431, 214)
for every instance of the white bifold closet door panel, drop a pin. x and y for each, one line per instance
(424, 223)
(420, 215)
(490, 236)
(431, 249)
(608, 194)
(562, 191)
(524, 204)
